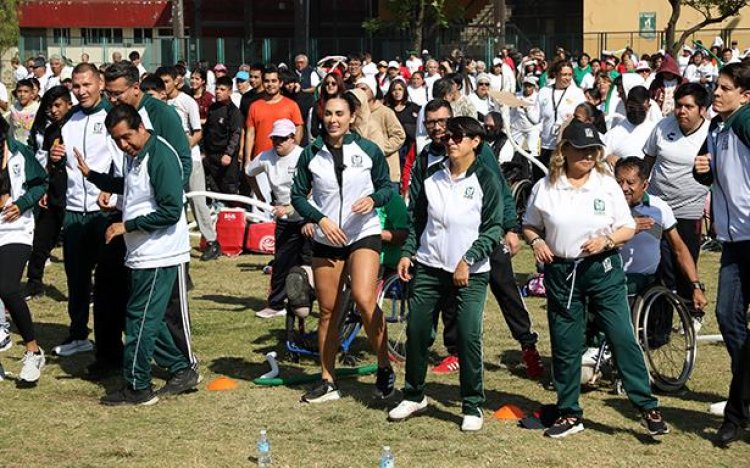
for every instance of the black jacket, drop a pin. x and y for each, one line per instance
(223, 129)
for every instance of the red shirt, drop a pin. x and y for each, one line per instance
(204, 102)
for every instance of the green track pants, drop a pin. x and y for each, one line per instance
(431, 289)
(146, 332)
(600, 281)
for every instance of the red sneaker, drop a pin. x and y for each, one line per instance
(448, 365)
(534, 366)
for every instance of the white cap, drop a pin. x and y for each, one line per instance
(718, 42)
(425, 52)
(496, 61)
(531, 80)
(484, 77)
(370, 82)
(394, 64)
(642, 66)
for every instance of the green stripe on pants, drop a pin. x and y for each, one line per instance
(146, 332)
(600, 281)
(431, 289)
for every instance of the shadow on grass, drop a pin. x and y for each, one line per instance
(243, 303)
(686, 420)
(55, 294)
(252, 266)
(512, 361)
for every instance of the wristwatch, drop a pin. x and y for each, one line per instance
(469, 261)
(610, 243)
(699, 285)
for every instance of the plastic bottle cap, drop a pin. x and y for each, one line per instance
(262, 432)
(386, 447)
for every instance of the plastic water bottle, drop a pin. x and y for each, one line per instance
(264, 450)
(387, 460)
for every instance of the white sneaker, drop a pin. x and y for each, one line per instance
(32, 366)
(73, 347)
(407, 408)
(270, 313)
(472, 423)
(717, 409)
(589, 357)
(5, 341)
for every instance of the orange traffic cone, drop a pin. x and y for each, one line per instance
(222, 383)
(510, 412)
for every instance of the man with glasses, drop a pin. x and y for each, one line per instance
(354, 69)
(279, 164)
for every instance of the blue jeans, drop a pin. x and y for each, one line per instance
(733, 297)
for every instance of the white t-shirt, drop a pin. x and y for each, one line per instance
(280, 172)
(553, 107)
(190, 117)
(3, 93)
(626, 139)
(417, 95)
(672, 174)
(483, 106)
(569, 217)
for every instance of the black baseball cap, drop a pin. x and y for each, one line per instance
(581, 135)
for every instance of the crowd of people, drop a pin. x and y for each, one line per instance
(410, 159)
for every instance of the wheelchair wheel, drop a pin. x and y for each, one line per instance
(664, 329)
(393, 301)
(521, 190)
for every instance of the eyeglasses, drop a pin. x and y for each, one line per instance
(434, 122)
(455, 137)
(482, 84)
(331, 83)
(280, 139)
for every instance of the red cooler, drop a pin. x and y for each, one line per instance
(230, 230)
(260, 238)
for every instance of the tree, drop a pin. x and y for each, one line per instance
(713, 11)
(8, 25)
(419, 18)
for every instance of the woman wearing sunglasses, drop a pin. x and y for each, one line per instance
(332, 85)
(576, 218)
(346, 177)
(449, 249)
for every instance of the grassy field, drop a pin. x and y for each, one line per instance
(60, 422)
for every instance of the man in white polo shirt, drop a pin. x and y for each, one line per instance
(628, 137)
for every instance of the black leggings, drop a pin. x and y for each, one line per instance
(13, 258)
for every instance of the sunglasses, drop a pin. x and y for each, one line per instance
(281, 138)
(456, 137)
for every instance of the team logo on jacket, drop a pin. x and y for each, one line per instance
(98, 128)
(599, 206)
(16, 170)
(357, 160)
(469, 193)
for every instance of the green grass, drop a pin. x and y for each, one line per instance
(60, 423)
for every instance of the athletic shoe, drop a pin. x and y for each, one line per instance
(267, 270)
(407, 408)
(654, 423)
(448, 365)
(591, 356)
(128, 396)
(270, 312)
(5, 340)
(183, 381)
(34, 290)
(322, 391)
(385, 382)
(472, 423)
(101, 369)
(32, 366)
(534, 366)
(717, 409)
(728, 433)
(564, 427)
(212, 251)
(697, 324)
(71, 347)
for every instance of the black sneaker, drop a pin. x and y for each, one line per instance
(385, 382)
(101, 369)
(183, 381)
(128, 396)
(564, 427)
(654, 423)
(34, 290)
(323, 391)
(212, 251)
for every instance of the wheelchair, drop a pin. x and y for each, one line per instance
(664, 330)
(301, 331)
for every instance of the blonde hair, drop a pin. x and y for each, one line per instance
(558, 164)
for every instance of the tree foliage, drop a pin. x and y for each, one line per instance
(713, 11)
(419, 18)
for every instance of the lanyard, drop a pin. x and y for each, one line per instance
(556, 106)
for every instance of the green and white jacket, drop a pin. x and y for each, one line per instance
(165, 122)
(456, 218)
(28, 182)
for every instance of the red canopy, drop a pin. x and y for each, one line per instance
(95, 13)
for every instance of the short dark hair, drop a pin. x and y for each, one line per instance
(201, 72)
(224, 81)
(166, 70)
(25, 83)
(633, 162)
(85, 67)
(180, 68)
(468, 126)
(134, 55)
(739, 73)
(357, 57)
(271, 69)
(152, 82)
(441, 88)
(639, 95)
(437, 104)
(123, 113)
(257, 66)
(699, 93)
(122, 69)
